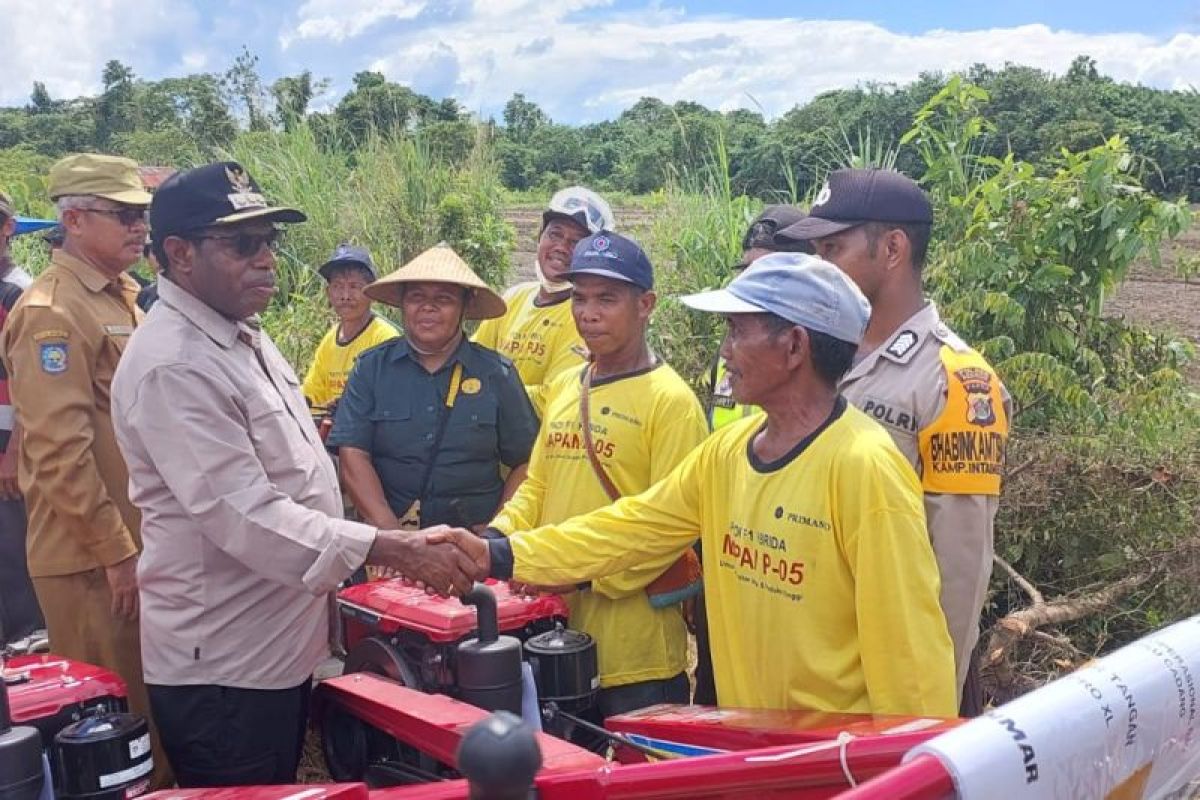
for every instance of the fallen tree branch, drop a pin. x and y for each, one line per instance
(1010, 630)
(1017, 470)
(1020, 580)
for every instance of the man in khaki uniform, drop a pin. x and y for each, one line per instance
(943, 404)
(61, 345)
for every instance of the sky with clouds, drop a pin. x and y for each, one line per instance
(586, 60)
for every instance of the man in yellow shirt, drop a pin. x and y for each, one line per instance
(643, 419)
(346, 273)
(822, 586)
(536, 332)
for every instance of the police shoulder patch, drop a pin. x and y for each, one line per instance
(963, 450)
(54, 357)
(902, 344)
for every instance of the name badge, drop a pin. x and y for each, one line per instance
(118, 330)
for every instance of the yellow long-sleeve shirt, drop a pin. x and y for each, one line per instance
(643, 425)
(541, 341)
(332, 362)
(821, 582)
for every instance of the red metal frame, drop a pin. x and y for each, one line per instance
(335, 791)
(432, 723)
(923, 778)
(747, 728)
(806, 764)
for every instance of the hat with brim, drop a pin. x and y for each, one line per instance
(347, 256)
(90, 174)
(816, 228)
(277, 214)
(212, 195)
(800, 288)
(440, 264)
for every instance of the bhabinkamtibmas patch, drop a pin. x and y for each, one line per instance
(962, 452)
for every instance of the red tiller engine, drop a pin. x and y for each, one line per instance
(49, 693)
(398, 631)
(471, 649)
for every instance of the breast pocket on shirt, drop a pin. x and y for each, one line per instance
(276, 433)
(396, 432)
(480, 416)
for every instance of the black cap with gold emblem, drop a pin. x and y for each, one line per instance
(215, 194)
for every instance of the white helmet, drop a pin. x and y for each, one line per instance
(582, 206)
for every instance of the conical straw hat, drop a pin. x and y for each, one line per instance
(440, 263)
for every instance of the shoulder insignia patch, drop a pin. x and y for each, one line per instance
(963, 451)
(902, 344)
(51, 333)
(54, 357)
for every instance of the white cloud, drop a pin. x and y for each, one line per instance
(592, 69)
(339, 20)
(65, 44)
(578, 58)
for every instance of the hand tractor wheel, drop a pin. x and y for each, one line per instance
(354, 750)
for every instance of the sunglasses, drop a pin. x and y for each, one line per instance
(246, 244)
(126, 216)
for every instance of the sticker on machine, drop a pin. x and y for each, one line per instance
(139, 746)
(124, 776)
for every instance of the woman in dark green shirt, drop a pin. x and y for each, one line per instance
(427, 420)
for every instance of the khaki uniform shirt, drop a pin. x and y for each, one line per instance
(242, 516)
(949, 414)
(61, 345)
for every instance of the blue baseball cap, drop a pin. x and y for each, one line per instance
(347, 255)
(803, 289)
(611, 255)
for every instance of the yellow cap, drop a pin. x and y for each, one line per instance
(440, 264)
(111, 177)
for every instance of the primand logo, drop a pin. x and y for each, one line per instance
(981, 409)
(822, 196)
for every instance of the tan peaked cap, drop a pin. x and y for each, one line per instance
(111, 177)
(440, 264)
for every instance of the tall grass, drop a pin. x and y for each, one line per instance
(392, 195)
(694, 243)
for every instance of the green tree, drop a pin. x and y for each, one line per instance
(116, 108)
(293, 94)
(244, 91)
(522, 118)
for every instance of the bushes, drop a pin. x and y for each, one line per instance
(391, 195)
(1103, 485)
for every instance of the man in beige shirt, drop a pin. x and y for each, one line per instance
(242, 517)
(61, 346)
(941, 401)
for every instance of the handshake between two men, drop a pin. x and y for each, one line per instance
(442, 559)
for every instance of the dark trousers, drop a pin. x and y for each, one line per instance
(221, 736)
(19, 611)
(706, 686)
(632, 696)
(972, 693)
